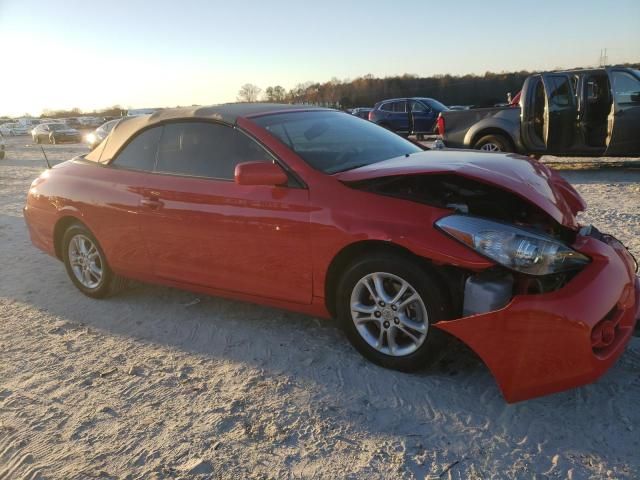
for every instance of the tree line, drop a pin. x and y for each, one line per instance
(477, 90)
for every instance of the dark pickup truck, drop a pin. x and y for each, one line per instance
(578, 112)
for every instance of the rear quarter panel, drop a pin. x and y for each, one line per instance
(105, 200)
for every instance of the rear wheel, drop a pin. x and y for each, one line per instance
(493, 143)
(87, 265)
(387, 305)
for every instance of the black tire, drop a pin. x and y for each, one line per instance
(501, 142)
(2, 155)
(110, 283)
(429, 290)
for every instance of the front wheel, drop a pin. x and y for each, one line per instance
(387, 306)
(87, 265)
(493, 143)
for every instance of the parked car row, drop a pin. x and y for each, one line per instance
(578, 112)
(58, 130)
(12, 129)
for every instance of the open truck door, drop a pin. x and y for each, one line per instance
(623, 123)
(560, 112)
(548, 113)
(532, 106)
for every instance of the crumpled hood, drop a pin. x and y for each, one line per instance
(520, 175)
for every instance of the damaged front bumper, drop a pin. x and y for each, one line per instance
(546, 343)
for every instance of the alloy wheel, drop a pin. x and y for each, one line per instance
(490, 147)
(389, 314)
(85, 261)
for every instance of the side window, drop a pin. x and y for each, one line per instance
(400, 107)
(206, 150)
(626, 88)
(140, 153)
(560, 90)
(418, 107)
(387, 107)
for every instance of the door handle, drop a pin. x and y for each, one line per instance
(151, 203)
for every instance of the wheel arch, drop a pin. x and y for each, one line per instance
(62, 225)
(492, 131)
(354, 251)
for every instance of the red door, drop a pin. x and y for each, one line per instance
(202, 228)
(215, 233)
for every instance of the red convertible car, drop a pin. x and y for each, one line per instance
(318, 211)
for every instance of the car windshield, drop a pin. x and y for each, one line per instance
(333, 141)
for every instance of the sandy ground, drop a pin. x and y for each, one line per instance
(160, 383)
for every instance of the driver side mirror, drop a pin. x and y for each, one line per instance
(260, 173)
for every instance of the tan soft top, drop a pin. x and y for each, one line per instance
(226, 113)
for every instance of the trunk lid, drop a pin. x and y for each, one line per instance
(522, 176)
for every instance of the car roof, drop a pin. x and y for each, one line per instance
(228, 112)
(225, 113)
(402, 99)
(578, 71)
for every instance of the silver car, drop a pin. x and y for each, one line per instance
(94, 138)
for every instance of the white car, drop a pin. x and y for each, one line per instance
(13, 129)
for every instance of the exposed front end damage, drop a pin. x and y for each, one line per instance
(537, 333)
(548, 342)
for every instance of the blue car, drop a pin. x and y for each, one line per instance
(408, 116)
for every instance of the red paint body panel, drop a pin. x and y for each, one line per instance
(274, 246)
(240, 238)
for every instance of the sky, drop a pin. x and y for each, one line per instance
(66, 53)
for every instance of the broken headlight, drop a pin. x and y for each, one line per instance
(513, 247)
